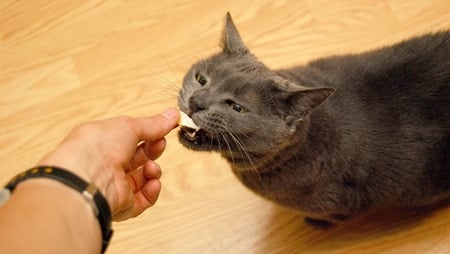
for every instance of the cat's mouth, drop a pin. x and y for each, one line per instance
(189, 133)
(197, 139)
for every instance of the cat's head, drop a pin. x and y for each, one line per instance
(245, 111)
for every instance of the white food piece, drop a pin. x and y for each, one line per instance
(185, 120)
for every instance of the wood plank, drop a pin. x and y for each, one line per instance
(66, 62)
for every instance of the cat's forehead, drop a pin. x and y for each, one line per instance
(235, 69)
(237, 74)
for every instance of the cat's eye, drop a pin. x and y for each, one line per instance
(200, 79)
(236, 107)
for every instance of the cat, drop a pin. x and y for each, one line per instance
(335, 137)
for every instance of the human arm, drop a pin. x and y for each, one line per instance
(52, 217)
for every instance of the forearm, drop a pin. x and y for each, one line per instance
(45, 216)
(115, 155)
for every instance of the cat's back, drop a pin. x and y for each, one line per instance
(391, 110)
(409, 80)
(418, 54)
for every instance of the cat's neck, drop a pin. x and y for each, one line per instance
(309, 144)
(272, 161)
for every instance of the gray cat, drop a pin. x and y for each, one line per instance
(336, 137)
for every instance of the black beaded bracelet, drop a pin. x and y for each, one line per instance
(90, 193)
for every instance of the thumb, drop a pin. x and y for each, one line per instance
(157, 126)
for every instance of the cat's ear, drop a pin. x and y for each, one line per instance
(300, 103)
(231, 40)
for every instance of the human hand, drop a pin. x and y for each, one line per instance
(117, 155)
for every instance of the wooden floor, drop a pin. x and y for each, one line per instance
(66, 62)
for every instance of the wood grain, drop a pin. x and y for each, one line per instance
(66, 62)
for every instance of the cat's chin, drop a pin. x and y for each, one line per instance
(199, 141)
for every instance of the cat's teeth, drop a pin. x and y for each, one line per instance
(185, 120)
(191, 134)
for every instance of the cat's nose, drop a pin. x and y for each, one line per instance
(196, 103)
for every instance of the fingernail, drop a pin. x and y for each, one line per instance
(170, 113)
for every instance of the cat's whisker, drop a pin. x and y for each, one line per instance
(242, 149)
(248, 139)
(176, 78)
(229, 147)
(211, 143)
(170, 94)
(220, 148)
(172, 88)
(239, 146)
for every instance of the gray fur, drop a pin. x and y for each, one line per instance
(335, 137)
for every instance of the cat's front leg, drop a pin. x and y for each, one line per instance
(318, 223)
(326, 222)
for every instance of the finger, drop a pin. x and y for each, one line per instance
(156, 127)
(152, 170)
(138, 178)
(146, 197)
(150, 150)
(154, 149)
(124, 208)
(138, 158)
(139, 200)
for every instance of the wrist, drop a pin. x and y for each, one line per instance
(41, 210)
(99, 205)
(64, 157)
(78, 159)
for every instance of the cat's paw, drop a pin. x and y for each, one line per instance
(318, 223)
